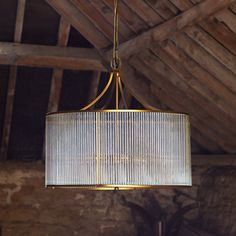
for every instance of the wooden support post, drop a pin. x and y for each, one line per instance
(57, 74)
(12, 83)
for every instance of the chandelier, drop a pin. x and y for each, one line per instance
(117, 149)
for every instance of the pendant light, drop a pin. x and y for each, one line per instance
(117, 149)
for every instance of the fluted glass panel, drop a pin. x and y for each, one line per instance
(125, 149)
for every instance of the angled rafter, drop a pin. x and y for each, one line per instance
(170, 27)
(199, 136)
(197, 86)
(170, 98)
(185, 82)
(71, 14)
(150, 66)
(213, 47)
(57, 74)
(12, 82)
(50, 56)
(141, 88)
(206, 61)
(95, 17)
(202, 75)
(214, 27)
(107, 12)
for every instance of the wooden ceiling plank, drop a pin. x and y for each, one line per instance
(197, 133)
(198, 87)
(221, 33)
(164, 8)
(86, 7)
(107, 12)
(185, 104)
(138, 86)
(50, 56)
(71, 14)
(214, 27)
(183, 90)
(134, 22)
(172, 26)
(145, 12)
(233, 8)
(203, 58)
(213, 47)
(12, 82)
(182, 5)
(200, 73)
(94, 86)
(228, 18)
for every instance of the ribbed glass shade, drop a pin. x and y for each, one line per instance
(121, 149)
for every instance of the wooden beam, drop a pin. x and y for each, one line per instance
(208, 62)
(139, 87)
(71, 14)
(170, 27)
(93, 15)
(228, 18)
(203, 76)
(50, 56)
(57, 74)
(12, 83)
(175, 97)
(196, 133)
(214, 27)
(126, 15)
(94, 86)
(107, 12)
(213, 47)
(195, 86)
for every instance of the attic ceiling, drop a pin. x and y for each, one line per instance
(177, 55)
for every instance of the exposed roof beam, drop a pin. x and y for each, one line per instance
(57, 74)
(50, 56)
(170, 27)
(70, 13)
(12, 82)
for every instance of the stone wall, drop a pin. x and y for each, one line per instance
(27, 208)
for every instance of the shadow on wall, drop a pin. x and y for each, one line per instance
(152, 220)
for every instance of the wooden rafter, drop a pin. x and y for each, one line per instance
(50, 56)
(153, 69)
(57, 74)
(142, 88)
(214, 27)
(172, 26)
(206, 60)
(12, 82)
(71, 14)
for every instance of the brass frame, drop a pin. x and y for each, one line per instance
(111, 187)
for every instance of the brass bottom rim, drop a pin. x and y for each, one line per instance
(112, 187)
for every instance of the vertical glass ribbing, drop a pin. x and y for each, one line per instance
(118, 148)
